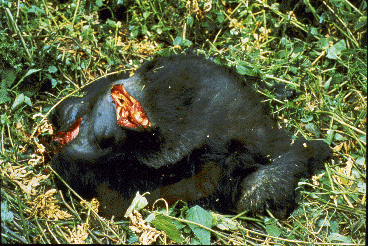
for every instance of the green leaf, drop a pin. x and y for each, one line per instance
(159, 30)
(195, 241)
(99, 3)
(6, 215)
(282, 54)
(339, 137)
(334, 225)
(272, 228)
(361, 23)
(179, 225)
(54, 83)
(314, 31)
(187, 43)
(244, 71)
(27, 100)
(190, 21)
(224, 223)
(200, 216)
(4, 119)
(111, 23)
(362, 187)
(52, 69)
(330, 136)
(4, 96)
(134, 33)
(241, 70)
(8, 77)
(326, 86)
(305, 120)
(18, 101)
(31, 71)
(150, 217)
(138, 203)
(323, 43)
(355, 227)
(36, 10)
(220, 17)
(312, 128)
(336, 50)
(336, 237)
(178, 41)
(363, 137)
(360, 161)
(293, 69)
(167, 225)
(146, 14)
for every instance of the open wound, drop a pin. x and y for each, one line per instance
(129, 111)
(65, 137)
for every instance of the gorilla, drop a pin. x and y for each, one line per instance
(183, 128)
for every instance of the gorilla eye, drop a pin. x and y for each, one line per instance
(106, 142)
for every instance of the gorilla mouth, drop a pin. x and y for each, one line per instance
(129, 112)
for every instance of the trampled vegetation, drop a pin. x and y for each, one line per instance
(50, 49)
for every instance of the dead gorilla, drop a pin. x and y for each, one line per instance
(184, 128)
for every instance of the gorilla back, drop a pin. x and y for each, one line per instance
(184, 128)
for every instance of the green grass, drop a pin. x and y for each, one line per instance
(48, 50)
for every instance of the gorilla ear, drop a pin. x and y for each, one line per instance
(129, 112)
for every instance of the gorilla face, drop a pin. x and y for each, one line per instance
(182, 128)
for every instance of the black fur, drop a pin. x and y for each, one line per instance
(211, 142)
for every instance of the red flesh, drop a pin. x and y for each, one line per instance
(129, 111)
(65, 137)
